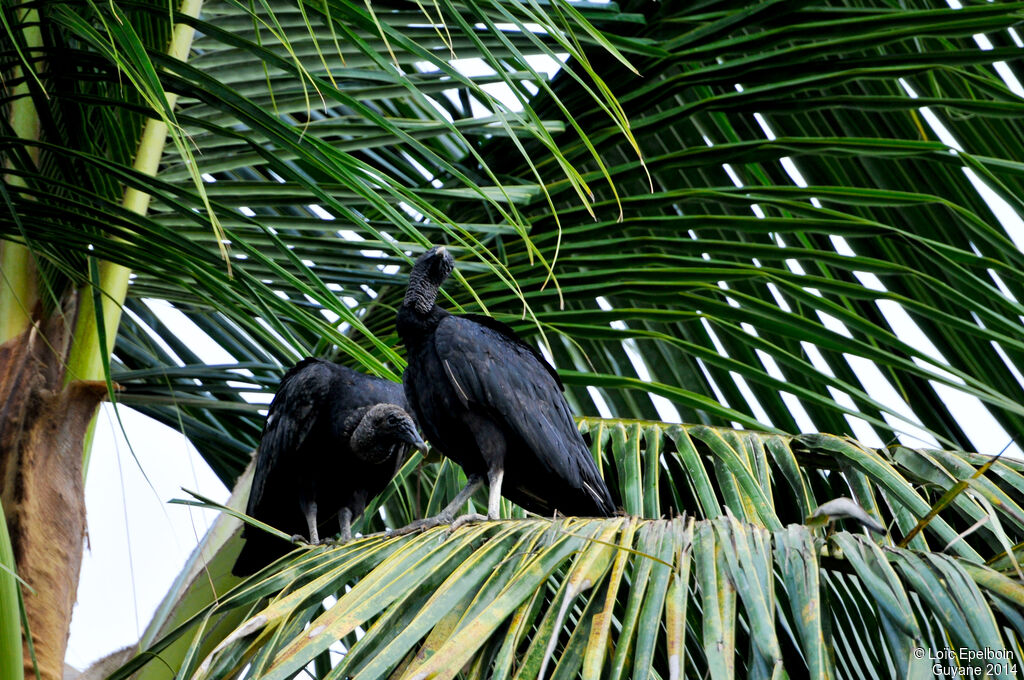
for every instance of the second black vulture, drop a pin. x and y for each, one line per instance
(333, 439)
(492, 404)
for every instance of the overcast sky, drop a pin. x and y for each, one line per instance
(137, 543)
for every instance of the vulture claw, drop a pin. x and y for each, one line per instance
(437, 520)
(463, 520)
(420, 525)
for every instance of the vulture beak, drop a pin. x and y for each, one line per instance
(412, 437)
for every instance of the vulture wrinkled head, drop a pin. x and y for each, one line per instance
(428, 274)
(386, 430)
(437, 263)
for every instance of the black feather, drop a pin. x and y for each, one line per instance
(485, 398)
(307, 449)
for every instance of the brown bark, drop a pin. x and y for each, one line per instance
(42, 428)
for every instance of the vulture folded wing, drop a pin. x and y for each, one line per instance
(293, 414)
(493, 370)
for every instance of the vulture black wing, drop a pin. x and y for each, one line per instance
(305, 454)
(293, 414)
(490, 368)
(513, 337)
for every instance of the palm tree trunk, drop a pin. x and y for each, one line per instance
(51, 370)
(43, 423)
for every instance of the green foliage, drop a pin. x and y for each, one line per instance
(651, 184)
(735, 583)
(281, 108)
(10, 605)
(713, 282)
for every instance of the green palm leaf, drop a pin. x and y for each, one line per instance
(740, 586)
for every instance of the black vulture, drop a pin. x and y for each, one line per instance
(333, 440)
(491, 403)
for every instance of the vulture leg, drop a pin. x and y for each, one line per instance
(345, 520)
(491, 442)
(472, 484)
(309, 510)
(494, 476)
(446, 516)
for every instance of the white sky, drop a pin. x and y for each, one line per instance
(138, 543)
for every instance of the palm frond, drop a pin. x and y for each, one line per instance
(736, 583)
(758, 303)
(287, 115)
